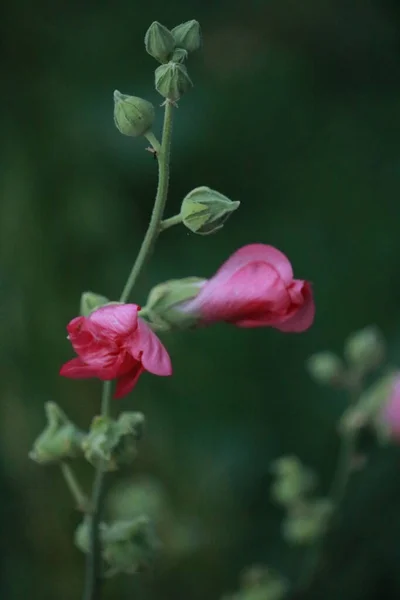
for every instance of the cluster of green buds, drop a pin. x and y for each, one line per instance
(306, 515)
(364, 351)
(171, 48)
(128, 545)
(109, 443)
(364, 355)
(260, 583)
(134, 116)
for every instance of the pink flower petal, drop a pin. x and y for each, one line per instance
(303, 318)
(146, 347)
(115, 319)
(254, 292)
(256, 253)
(127, 382)
(77, 369)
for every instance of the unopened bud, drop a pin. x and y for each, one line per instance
(60, 440)
(159, 42)
(129, 546)
(293, 481)
(165, 301)
(179, 55)
(326, 368)
(365, 349)
(172, 81)
(307, 522)
(205, 211)
(111, 443)
(90, 302)
(187, 35)
(132, 115)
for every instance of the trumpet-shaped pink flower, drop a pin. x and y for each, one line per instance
(255, 288)
(391, 410)
(113, 343)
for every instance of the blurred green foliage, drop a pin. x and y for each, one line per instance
(295, 113)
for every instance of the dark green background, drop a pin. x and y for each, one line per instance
(296, 113)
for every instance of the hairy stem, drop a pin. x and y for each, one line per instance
(170, 222)
(93, 579)
(159, 205)
(82, 501)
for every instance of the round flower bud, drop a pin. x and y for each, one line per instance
(132, 116)
(326, 368)
(172, 81)
(205, 211)
(159, 42)
(365, 349)
(187, 35)
(60, 440)
(90, 302)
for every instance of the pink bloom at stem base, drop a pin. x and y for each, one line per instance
(391, 410)
(114, 343)
(255, 288)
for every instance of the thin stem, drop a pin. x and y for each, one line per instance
(82, 501)
(336, 494)
(159, 205)
(93, 579)
(151, 138)
(170, 222)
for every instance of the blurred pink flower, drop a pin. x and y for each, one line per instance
(113, 343)
(391, 410)
(255, 288)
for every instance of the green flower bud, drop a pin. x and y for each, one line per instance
(365, 349)
(90, 302)
(205, 211)
(179, 55)
(159, 42)
(60, 440)
(293, 481)
(132, 115)
(307, 522)
(110, 443)
(129, 546)
(187, 35)
(165, 299)
(326, 368)
(172, 81)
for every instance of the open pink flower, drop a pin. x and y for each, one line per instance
(113, 343)
(255, 288)
(391, 410)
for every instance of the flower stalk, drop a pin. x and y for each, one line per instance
(93, 580)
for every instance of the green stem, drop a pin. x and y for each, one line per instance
(151, 138)
(159, 205)
(167, 223)
(336, 494)
(82, 502)
(93, 579)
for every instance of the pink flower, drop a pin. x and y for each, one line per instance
(113, 343)
(255, 288)
(391, 410)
